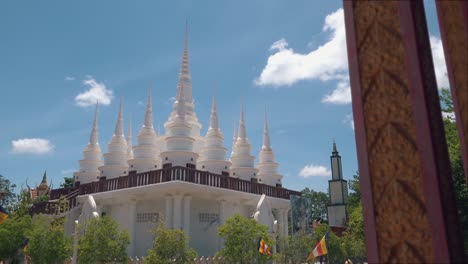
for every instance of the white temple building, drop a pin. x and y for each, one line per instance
(180, 176)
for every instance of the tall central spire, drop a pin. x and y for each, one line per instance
(266, 135)
(185, 80)
(214, 124)
(93, 139)
(149, 111)
(242, 130)
(119, 126)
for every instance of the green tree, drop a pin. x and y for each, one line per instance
(102, 242)
(354, 197)
(336, 253)
(454, 149)
(47, 241)
(353, 239)
(7, 195)
(241, 236)
(294, 249)
(170, 244)
(67, 182)
(12, 236)
(319, 203)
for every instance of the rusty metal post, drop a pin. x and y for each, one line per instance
(453, 23)
(408, 203)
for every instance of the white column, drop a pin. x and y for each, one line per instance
(187, 200)
(131, 227)
(177, 212)
(168, 218)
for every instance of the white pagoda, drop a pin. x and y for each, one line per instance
(180, 177)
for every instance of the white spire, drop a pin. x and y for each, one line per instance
(119, 126)
(234, 138)
(129, 140)
(93, 138)
(241, 159)
(213, 153)
(242, 131)
(149, 111)
(115, 160)
(267, 166)
(92, 156)
(185, 82)
(146, 152)
(266, 135)
(214, 113)
(180, 106)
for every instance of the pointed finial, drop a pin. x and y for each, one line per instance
(119, 126)
(44, 177)
(149, 111)
(242, 130)
(93, 139)
(185, 82)
(186, 33)
(129, 133)
(214, 113)
(266, 134)
(334, 146)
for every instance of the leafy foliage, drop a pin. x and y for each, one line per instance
(354, 198)
(7, 192)
(67, 182)
(335, 250)
(170, 244)
(47, 241)
(102, 242)
(353, 239)
(319, 200)
(12, 235)
(294, 249)
(240, 236)
(454, 149)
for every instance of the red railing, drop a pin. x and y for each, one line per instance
(174, 174)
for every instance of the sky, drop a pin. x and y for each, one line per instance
(59, 57)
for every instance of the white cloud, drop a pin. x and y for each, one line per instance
(97, 92)
(69, 78)
(328, 62)
(349, 120)
(341, 95)
(31, 146)
(439, 62)
(314, 171)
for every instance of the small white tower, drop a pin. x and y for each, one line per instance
(92, 157)
(213, 154)
(242, 161)
(338, 190)
(267, 167)
(185, 85)
(115, 160)
(178, 139)
(146, 152)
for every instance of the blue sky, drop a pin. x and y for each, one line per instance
(287, 56)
